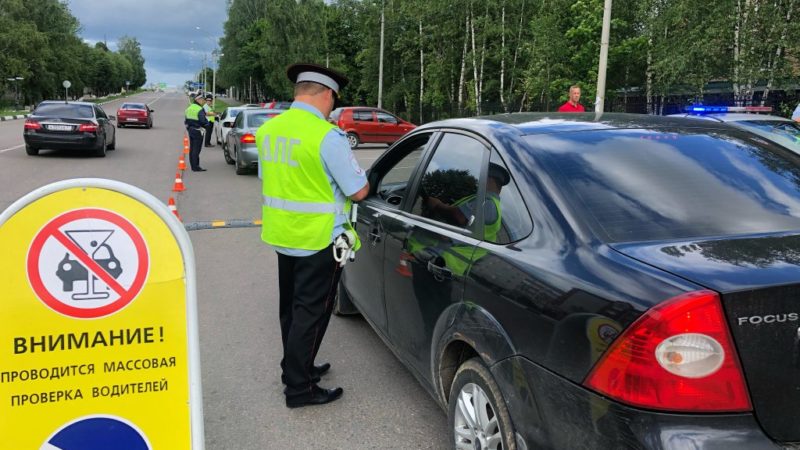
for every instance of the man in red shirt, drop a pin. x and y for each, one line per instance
(572, 105)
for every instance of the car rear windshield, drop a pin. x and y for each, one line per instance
(65, 111)
(255, 120)
(133, 106)
(639, 185)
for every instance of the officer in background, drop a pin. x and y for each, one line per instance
(211, 116)
(195, 120)
(310, 176)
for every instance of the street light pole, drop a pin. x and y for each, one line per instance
(601, 71)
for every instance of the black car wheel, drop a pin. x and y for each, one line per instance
(240, 169)
(100, 151)
(227, 155)
(149, 125)
(33, 151)
(113, 144)
(477, 413)
(342, 305)
(352, 138)
(121, 125)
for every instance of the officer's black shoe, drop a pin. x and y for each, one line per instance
(199, 169)
(319, 396)
(316, 372)
(210, 145)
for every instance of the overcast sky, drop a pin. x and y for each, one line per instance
(164, 28)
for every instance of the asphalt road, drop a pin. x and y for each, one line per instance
(383, 406)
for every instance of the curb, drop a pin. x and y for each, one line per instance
(22, 116)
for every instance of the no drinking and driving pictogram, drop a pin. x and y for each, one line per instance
(88, 263)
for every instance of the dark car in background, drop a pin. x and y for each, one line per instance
(62, 125)
(240, 143)
(138, 114)
(369, 125)
(582, 282)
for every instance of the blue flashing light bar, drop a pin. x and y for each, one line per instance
(705, 109)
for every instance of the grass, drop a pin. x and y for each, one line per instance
(114, 97)
(11, 112)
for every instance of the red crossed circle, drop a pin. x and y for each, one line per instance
(52, 229)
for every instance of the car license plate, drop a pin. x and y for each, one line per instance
(132, 119)
(59, 127)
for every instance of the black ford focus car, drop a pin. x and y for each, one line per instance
(574, 282)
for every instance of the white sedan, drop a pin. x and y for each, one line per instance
(224, 123)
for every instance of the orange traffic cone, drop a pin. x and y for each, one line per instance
(402, 266)
(185, 144)
(179, 187)
(181, 163)
(174, 208)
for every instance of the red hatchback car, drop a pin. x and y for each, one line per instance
(134, 114)
(370, 125)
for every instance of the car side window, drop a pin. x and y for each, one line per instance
(362, 115)
(393, 184)
(100, 113)
(504, 203)
(238, 122)
(448, 190)
(386, 118)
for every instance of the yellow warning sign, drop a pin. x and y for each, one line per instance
(97, 322)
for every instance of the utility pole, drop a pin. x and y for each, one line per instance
(601, 71)
(380, 65)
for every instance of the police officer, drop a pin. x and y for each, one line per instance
(211, 116)
(310, 176)
(195, 120)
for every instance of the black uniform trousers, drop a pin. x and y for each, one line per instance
(195, 145)
(307, 290)
(209, 132)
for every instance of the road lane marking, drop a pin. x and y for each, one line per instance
(12, 148)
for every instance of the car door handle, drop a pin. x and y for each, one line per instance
(439, 272)
(374, 235)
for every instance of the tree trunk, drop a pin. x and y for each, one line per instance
(778, 52)
(474, 63)
(463, 65)
(737, 92)
(649, 75)
(516, 51)
(421, 72)
(503, 57)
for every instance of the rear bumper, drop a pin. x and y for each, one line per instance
(131, 121)
(249, 155)
(550, 412)
(82, 141)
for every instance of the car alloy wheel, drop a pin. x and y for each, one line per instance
(240, 169)
(352, 138)
(477, 412)
(227, 154)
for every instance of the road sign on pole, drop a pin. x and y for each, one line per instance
(98, 322)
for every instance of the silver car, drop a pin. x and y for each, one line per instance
(240, 143)
(777, 129)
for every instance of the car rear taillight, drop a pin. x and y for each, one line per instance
(31, 124)
(87, 128)
(678, 356)
(247, 138)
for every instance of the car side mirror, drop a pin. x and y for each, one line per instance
(152, 110)
(227, 124)
(112, 118)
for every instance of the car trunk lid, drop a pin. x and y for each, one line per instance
(758, 278)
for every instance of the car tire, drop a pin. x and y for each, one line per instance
(342, 305)
(33, 151)
(149, 125)
(477, 411)
(113, 144)
(353, 140)
(121, 125)
(227, 155)
(240, 170)
(100, 151)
